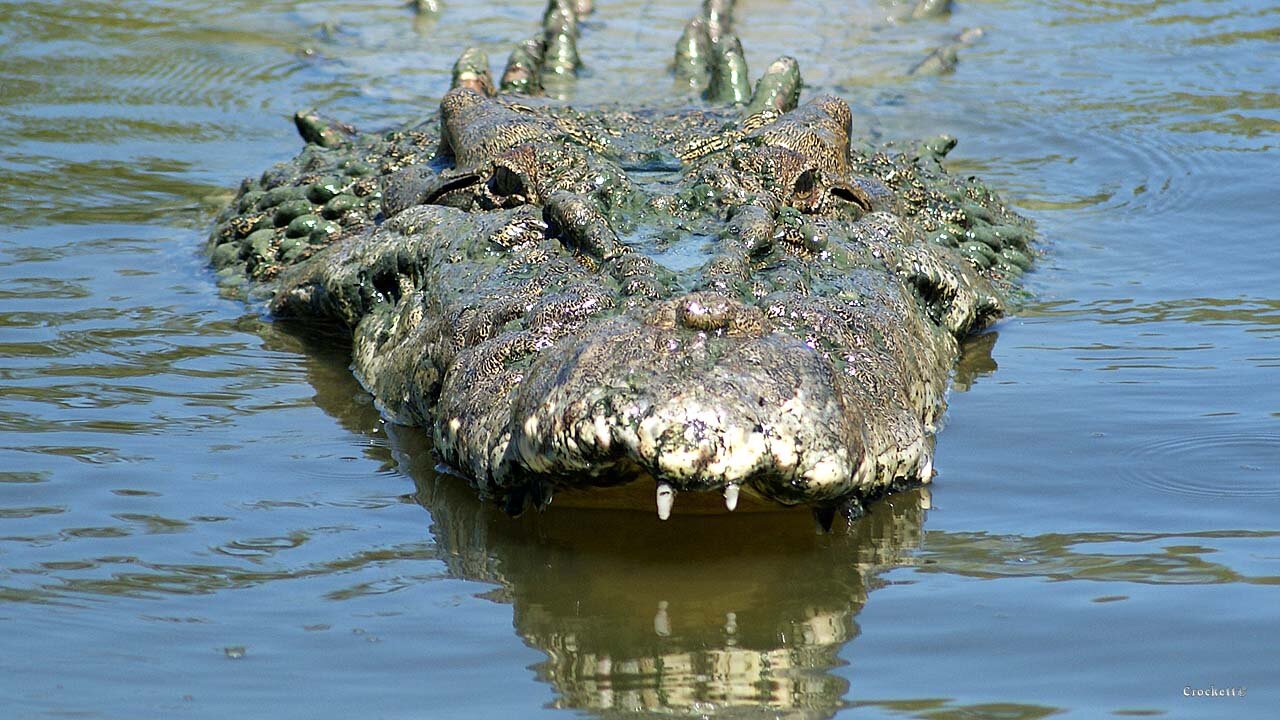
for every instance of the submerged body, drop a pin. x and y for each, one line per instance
(738, 300)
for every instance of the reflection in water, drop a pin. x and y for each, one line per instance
(731, 615)
(939, 709)
(975, 360)
(1253, 314)
(1146, 558)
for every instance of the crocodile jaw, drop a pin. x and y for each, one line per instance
(661, 401)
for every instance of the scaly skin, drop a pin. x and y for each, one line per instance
(741, 301)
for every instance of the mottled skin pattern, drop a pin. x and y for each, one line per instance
(738, 300)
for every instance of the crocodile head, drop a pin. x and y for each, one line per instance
(738, 301)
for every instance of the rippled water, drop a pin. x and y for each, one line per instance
(201, 514)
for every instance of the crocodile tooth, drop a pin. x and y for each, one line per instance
(926, 469)
(666, 498)
(731, 496)
(661, 620)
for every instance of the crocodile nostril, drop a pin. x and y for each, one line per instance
(805, 185)
(850, 192)
(505, 182)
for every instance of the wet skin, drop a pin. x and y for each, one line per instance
(740, 300)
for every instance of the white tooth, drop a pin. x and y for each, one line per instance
(666, 498)
(662, 621)
(731, 496)
(926, 469)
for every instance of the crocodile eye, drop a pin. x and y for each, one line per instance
(805, 185)
(505, 182)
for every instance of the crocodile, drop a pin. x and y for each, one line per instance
(730, 297)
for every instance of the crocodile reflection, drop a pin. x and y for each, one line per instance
(717, 615)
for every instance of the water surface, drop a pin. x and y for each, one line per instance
(201, 513)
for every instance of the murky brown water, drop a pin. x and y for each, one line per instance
(202, 515)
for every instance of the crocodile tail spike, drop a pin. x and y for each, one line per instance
(562, 13)
(560, 31)
(472, 71)
(693, 57)
(729, 81)
(523, 74)
(778, 89)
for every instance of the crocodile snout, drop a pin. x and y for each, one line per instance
(718, 413)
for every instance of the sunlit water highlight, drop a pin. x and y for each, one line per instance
(201, 513)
